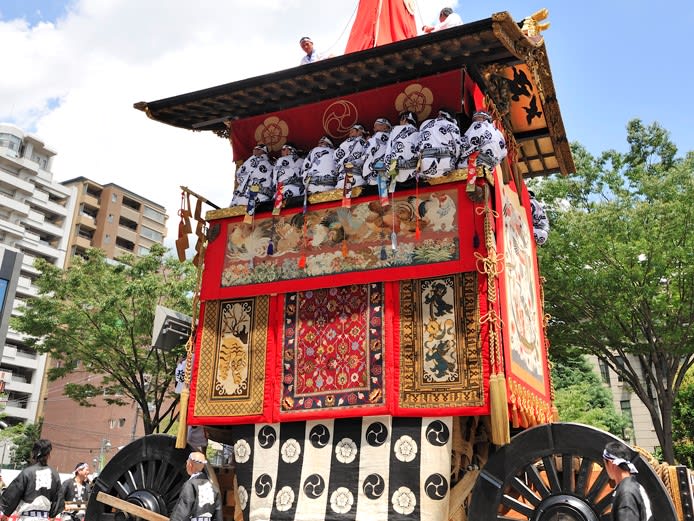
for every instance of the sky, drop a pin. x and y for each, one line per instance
(72, 69)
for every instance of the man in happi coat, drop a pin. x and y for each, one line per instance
(630, 501)
(439, 144)
(35, 492)
(255, 175)
(199, 499)
(483, 137)
(401, 152)
(351, 151)
(374, 159)
(287, 173)
(319, 170)
(76, 490)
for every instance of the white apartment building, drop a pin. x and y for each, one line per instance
(642, 432)
(35, 219)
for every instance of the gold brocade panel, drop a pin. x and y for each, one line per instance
(232, 366)
(440, 348)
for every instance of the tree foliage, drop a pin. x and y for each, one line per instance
(619, 265)
(683, 423)
(99, 314)
(580, 396)
(22, 438)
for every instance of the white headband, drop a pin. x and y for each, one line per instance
(196, 459)
(619, 461)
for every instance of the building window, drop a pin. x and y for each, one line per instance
(620, 363)
(114, 198)
(625, 407)
(604, 371)
(12, 142)
(151, 234)
(143, 250)
(107, 239)
(151, 213)
(110, 218)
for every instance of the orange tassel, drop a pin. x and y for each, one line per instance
(302, 261)
(344, 248)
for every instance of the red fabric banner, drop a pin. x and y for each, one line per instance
(304, 125)
(379, 22)
(525, 353)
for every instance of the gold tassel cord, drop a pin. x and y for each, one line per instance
(182, 434)
(491, 266)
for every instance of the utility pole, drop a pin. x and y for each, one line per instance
(105, 447)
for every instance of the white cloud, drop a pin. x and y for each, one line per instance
(73, 82)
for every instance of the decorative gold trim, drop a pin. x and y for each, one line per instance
(332, 195)
(221, 213)
(459, 174)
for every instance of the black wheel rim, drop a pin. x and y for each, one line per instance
(525, 480)
(148, 472)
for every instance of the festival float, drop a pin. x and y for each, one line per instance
(376, 358)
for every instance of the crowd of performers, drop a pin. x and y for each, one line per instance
(392, 156)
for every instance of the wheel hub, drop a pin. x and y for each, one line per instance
(564, 508)
(146, 499)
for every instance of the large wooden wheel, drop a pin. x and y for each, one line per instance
(528, 480)
(149, 472)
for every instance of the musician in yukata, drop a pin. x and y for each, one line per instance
(483, 137)
(254, 175)
(540, 220)
(374, 159)
(401, 153)
(352, 151)
(320, 171)
(439, 144)
(287, 173)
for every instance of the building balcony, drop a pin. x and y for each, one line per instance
(46, 227)
(19, 385)
(16, 182)
(90, 200)
(86, 221)
(39, 247)
(14, 205)
(11, 229)
(83, 242)
(17, 409)
(13, 357)
(129, 213)
(127, 234)
(50, 206)
(26, 291)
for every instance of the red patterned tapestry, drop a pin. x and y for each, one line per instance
(333, 351)
(442, 357)
(341, 246)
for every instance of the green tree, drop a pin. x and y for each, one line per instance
(99, 314)
(580, 396)
(22, 436)
(620, 265)
(683, 423)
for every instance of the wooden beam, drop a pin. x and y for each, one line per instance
(460, 492)
(129, 508)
